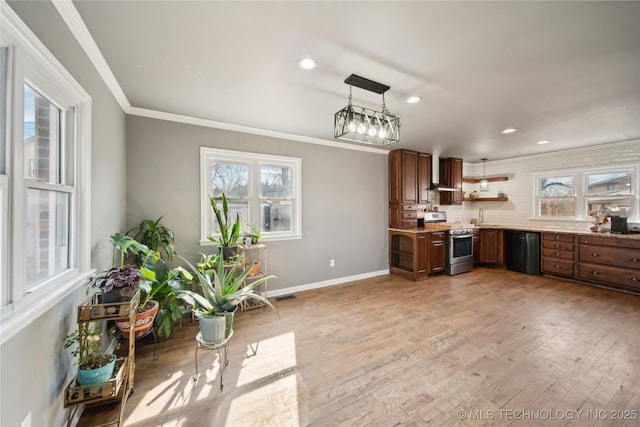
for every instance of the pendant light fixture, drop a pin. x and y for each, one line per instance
(363, 125)
(484, 184)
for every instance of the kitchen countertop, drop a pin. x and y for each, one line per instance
(435, 228)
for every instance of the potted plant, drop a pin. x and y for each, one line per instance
(229, 232)
(93, 366)
(117, 283)
(155, 235)
(158, 305)
(220, 297)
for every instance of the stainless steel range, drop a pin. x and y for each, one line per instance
(460, 251)
(459, 242)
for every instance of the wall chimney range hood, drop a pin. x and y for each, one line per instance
(435, 176)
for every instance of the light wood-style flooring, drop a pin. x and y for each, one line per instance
(490, 347)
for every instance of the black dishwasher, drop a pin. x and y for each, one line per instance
(522, 251)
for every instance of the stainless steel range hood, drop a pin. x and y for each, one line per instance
(435, 175)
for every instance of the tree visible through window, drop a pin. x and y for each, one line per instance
(263, 190)
(557, 196)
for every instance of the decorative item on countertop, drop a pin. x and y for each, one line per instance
(474, 194)
(600, 218)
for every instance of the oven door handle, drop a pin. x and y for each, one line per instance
(462, 237)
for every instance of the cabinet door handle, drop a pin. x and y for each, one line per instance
(557, 254)
(556, 246)
(635, 279)
(635, 260)
(556, 237)
(595, 273)
(594, 254)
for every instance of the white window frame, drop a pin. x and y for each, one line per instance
(581, 194)
(29, 62)
(255, 160)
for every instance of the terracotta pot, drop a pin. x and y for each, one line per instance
(144, 321)
(254, 270)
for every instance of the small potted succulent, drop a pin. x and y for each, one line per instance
(93, 366)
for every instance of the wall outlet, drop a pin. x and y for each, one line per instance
(332, 263)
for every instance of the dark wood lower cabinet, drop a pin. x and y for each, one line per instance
(491, 247)
(438, 253)
(476, 247)
(416, 254)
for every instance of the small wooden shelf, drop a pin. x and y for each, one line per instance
(473, 180)
(485, 199)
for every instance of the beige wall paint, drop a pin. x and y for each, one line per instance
(344, 198)
(35, 367)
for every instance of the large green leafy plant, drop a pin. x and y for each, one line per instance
(156, 236)
(160, 284)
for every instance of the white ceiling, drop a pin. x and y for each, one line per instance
(568, 72)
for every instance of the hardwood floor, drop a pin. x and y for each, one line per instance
(490, 347)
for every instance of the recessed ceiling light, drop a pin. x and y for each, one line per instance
(413, 99)
(543, 142)
(308, 64)
(508, 130)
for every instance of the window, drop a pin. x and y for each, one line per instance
(264, 190)
(557, 196)
(576, 194)
(44, 177)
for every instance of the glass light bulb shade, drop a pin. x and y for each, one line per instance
(484, 185)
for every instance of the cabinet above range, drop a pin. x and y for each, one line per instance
(409, 183)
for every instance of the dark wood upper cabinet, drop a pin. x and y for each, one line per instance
(409, 182)
(424, 177)
(451, 176)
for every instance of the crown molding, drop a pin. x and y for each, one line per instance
(171, 117)
(74, 21)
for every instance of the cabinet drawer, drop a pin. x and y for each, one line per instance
(408, 223)
(559, 237)
(557, 266)
(619, 257)
(409, 215)
(557, 244)
(610, 241)
(409, 207)
(557, 253)
(438, 236)
(618, 276)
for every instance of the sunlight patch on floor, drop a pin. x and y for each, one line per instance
(274, 355)
(275, 403)
(169, 395)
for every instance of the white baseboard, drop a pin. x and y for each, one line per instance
(325, 283)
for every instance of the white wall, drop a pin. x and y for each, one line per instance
(518, 210)
(35, 367)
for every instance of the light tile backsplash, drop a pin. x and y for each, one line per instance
(518, 210)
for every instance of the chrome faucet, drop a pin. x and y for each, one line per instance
(480, 216)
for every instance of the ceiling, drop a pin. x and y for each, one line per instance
(567, 72)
